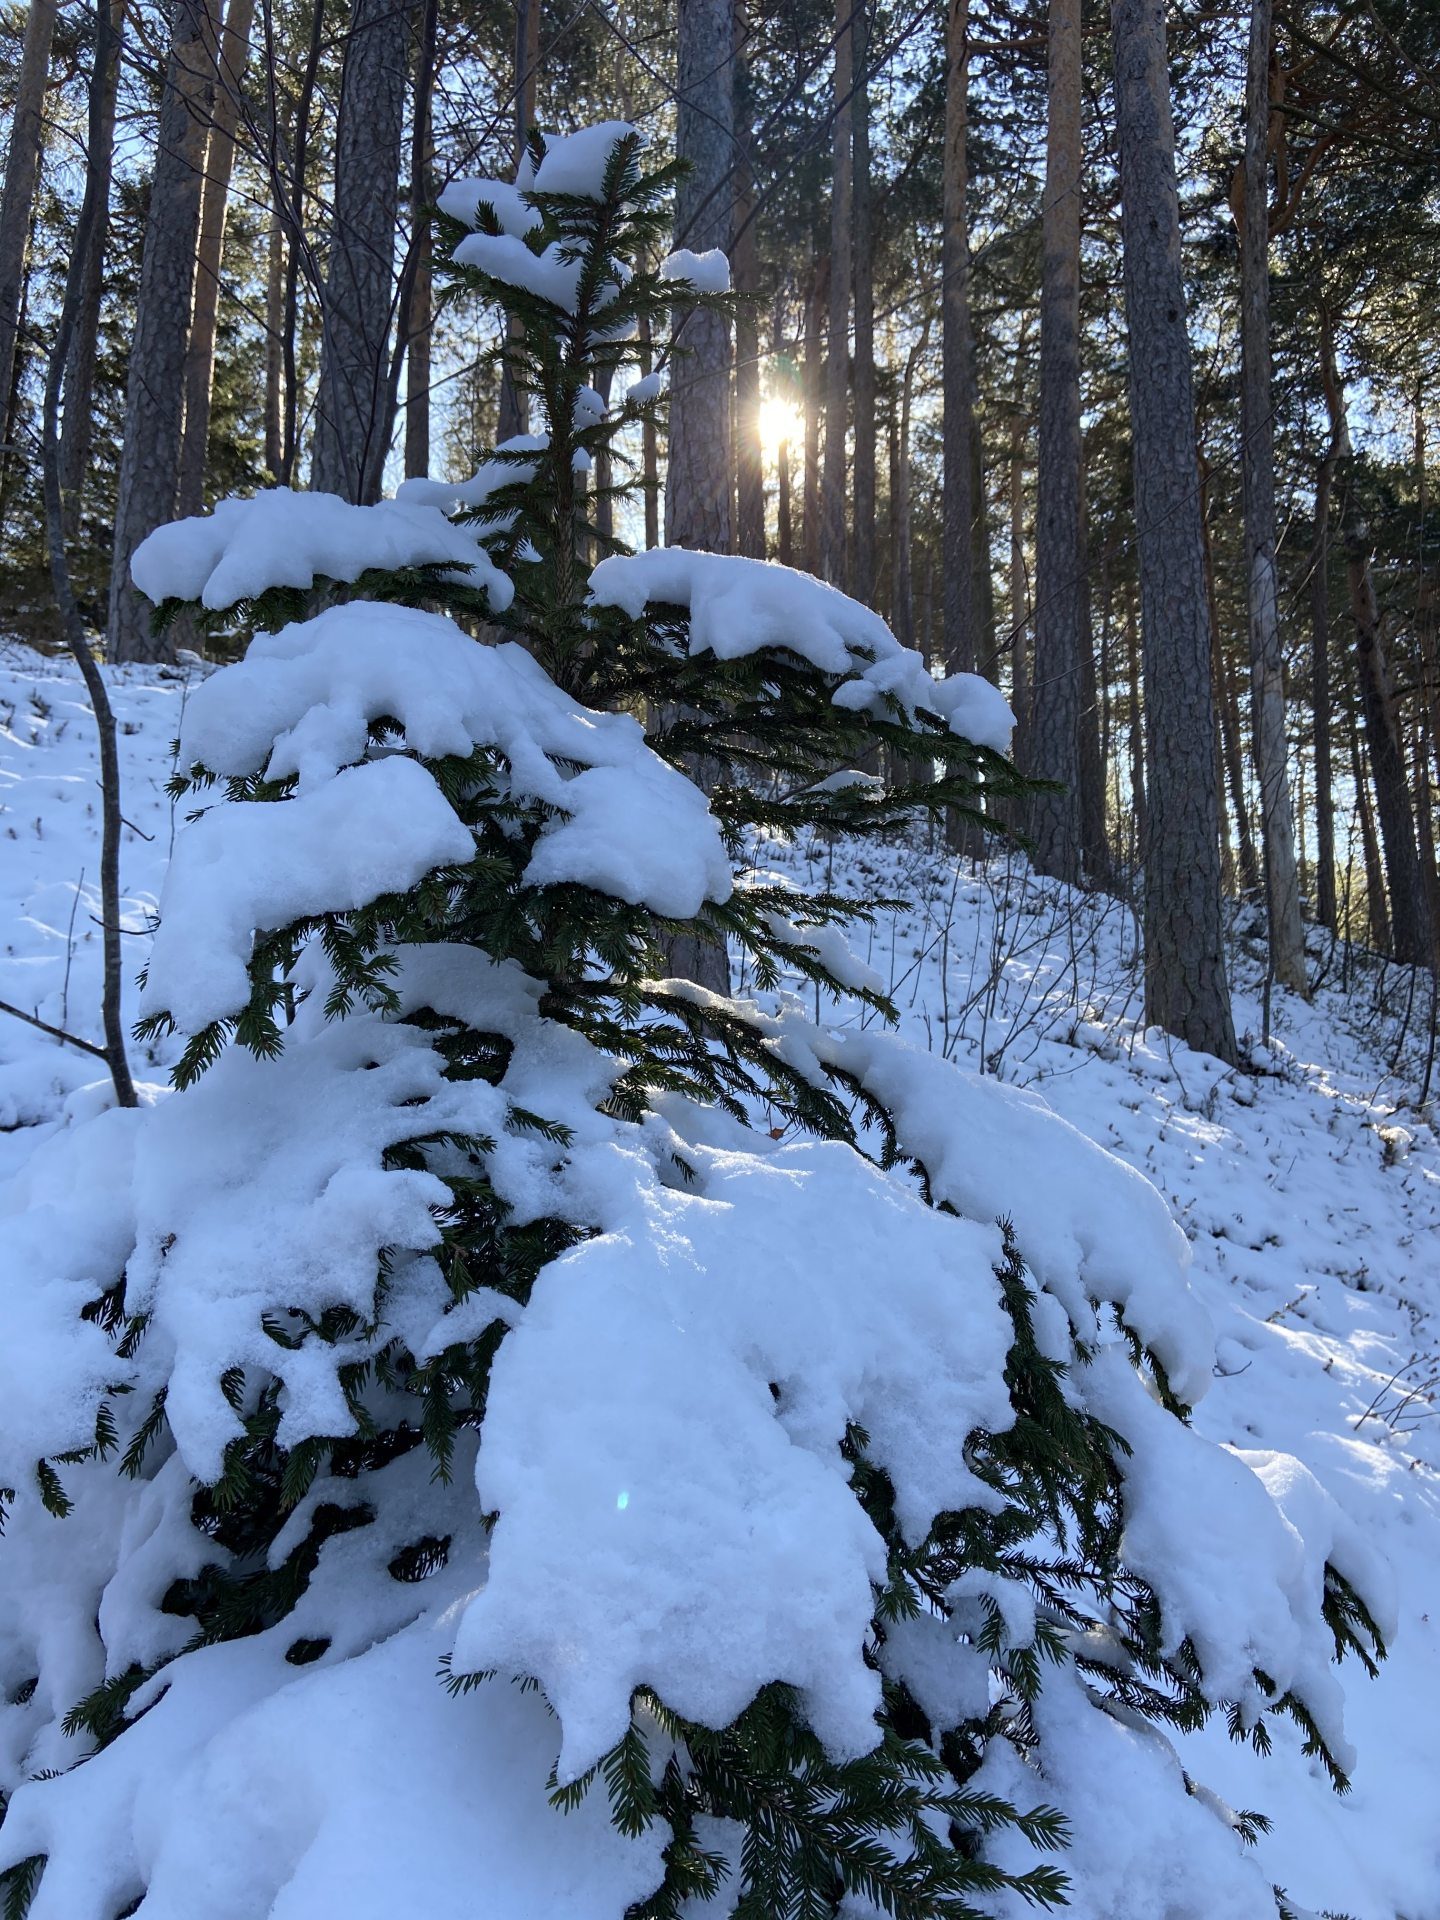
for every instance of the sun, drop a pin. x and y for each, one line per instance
(781, 422)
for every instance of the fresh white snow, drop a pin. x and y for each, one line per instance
(1307, 1196)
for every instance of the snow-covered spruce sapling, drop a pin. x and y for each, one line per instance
(800, 1418)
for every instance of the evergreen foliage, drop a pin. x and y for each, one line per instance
(905, 1826)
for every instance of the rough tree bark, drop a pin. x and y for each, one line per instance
(1257, 437)
(837, 364)
(1321, 741)
(1186, 990)
(957, 506)
(862, 555)
(1409, 914)
(749, 455)
(154, 395)
(814, 380)
(78, 422)
(22, 175)
(1052, 735)
(231, 57)
(697, 481)
(515, 406)
(419, 307)
(352, 404)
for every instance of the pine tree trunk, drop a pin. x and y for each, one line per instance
(352, 405)
(1137, 731)
(1408, 913)
(1186, 991)
(17, 201)
(1094, 842)
(275, 348)
(957, 358)
(1257, 439)
(77, 427)
(1053, 735)
(697, 481)
(1230, 763)
(749, 455)
(698, 510)
(154, 397)
(1325, 903)
(1020, 610)
(299, 254)
(1377, 913)
(837, 363)
(649, 448)
(862, 558)
(814, 405)
(419, 307)
(231, 58)
(514, 406)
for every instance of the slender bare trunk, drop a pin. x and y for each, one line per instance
(274, 347)
(102, 88)
(649, 448)
(78, 424)
(697, 483)
(1053, 734)
(749, 455)
(862, 555)
(17, 201)
(419, 314)
(1377, 913)
(1409, 918)
(837, 363)
(515, 405)
(1320, 698)
(814, 406)
(154, 397)
(958, 506)
(233, 54)
(1186, 991)
(1257, 431)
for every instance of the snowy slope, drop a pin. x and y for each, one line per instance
(1311, 1193)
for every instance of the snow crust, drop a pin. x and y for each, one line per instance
(740, 606)
(576, 162)
(280, 538)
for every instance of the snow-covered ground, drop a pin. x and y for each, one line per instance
(1309, 1189)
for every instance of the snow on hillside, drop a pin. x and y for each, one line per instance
(1310, 1190)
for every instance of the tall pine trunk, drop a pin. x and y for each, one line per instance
(419, 306)
(514, 405)
(862, 558)
(957, 357)
(232, 55)
(17, 201)
(1186, 991)
(697, 482)
(1408, 909)
(352, 410)
(1257, 439)
(1053, 733)
(837, 363)
(154, 396)
(749, 455)
(814, 383)
(78, 426)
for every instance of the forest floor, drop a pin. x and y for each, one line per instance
(1308, 1185)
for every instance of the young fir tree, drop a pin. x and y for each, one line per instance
(842, 1528)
